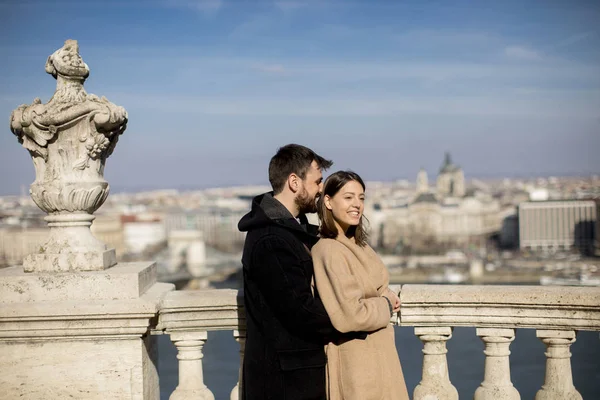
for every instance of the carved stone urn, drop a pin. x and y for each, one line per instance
(69, 139)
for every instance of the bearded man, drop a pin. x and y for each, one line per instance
(286, 323)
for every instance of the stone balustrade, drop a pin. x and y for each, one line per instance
(186, 316)
(556, 313)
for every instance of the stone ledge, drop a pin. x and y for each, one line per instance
(212, 298)
(554, 296)
(533, 307)
(90, 319)
(123, 281)
(219, 309)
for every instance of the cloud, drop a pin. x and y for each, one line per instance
(438, 39)
(206, 7)
(256, 25)
(434, 37)
(522, 53)
(509, 104)
(288, 6)
(574, 39)
(322, 87)
(394, 72)
(274, 69)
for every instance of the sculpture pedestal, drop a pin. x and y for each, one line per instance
(80, 335)
(70, 247)
(63, 262)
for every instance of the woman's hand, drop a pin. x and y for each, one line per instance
(393, 298)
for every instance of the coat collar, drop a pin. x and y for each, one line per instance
(371, 264)
(267, 210)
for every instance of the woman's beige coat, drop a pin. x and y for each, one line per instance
(350, 280)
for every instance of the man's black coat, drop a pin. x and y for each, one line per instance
(286, 325)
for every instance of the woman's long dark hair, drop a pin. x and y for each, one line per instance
(332, 185)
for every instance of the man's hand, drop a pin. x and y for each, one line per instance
(393, 298)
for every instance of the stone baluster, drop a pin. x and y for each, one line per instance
(496, 383)
(435, 382)
(191, 379)
(240, 337)
(558, 383)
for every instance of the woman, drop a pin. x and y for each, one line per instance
(353, 285)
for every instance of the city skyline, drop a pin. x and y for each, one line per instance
(214, 87)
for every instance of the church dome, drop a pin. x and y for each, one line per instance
(448, 166)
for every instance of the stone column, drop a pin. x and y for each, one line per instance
(191, 379)
(435, 382)
(69, 139)
(240, 337)
(558, 383)
(496, 383)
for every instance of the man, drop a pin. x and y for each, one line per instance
(287, 325)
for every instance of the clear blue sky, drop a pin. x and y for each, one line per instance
(511, 88)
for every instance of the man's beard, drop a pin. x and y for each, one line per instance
(305, 203)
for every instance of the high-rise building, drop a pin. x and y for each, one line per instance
(558, 225)
(597, 231)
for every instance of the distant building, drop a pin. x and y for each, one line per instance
(17, 242)
(539, 194)
(427, 221)
(422, 181)
(597, 231)
(444, 219)
(187, 248)
(509, 234)
(451, 179)
(109, 229)
(140, 233)
(218, 226)
(558, 225)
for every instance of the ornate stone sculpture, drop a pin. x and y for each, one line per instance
(69, 139)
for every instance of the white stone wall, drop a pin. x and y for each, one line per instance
(79, 369)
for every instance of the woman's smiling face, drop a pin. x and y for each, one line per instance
(347, 205)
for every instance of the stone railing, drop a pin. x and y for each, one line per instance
(556, 313)
(187, 316)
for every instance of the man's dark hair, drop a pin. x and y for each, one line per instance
(293, 159)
